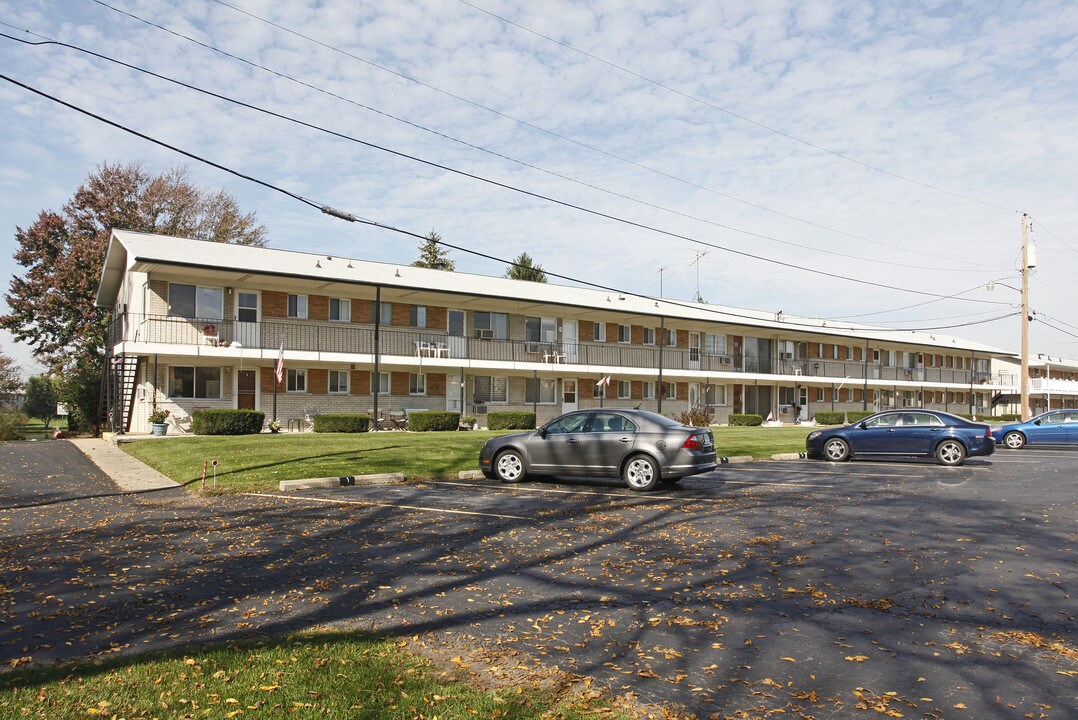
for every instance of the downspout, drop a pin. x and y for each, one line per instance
(376, 380)
(864, 392)
(662, 343)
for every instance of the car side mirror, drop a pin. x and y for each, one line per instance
(1036, 422)
(861, 425)
(541, 432)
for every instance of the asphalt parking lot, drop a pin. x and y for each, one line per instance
(796, 589)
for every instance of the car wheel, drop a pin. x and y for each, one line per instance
(1014, 440)
(509, 466)
(836, 450)
(641, 473)
(950, 452)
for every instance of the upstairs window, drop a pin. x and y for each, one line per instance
(340, 310)
(297, 306)
(600, 332)
(194, 301)
(417, 316)
(625, 334)
(492, 325)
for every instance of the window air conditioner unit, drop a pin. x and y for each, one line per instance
(532, 348)
(726, 360)
(787, 356)
(484, 334)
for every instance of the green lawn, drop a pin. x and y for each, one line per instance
(259, 462)
(307, 675)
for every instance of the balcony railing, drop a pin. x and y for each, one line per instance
(354, 338)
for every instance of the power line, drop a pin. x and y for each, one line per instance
(1063, 242)
(965, 263)
(537, 128)
(731, 113)
(352, 218)
(505, 186)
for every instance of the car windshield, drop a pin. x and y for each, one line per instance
(567, 424)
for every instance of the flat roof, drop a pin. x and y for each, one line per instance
(145, 252)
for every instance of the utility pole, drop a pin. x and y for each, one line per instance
(1025, 318)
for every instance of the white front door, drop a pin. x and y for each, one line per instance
(694, 351)
(694, 395)
(457, 329)
(570, 346)
(248, 317)
(453, 393)
(568, 395)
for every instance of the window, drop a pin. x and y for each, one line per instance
(340, 310)
(489, 389)
(670, 390)
(382, 313)
(624, 389)
(568, 424)
(600, 332)
(297, 306)
(417, 383)
(195, 382)
(540, 390)
(849, 352)
(417, 316)
(338, 381)
(649, 336)
(714, 344)
(649, 390)
(819, 394)
(671, 338)
(890, 420)
(496, 324)
(381, 383)
(540, 330)
(834, 352)
(786, 396)
(296, 381)
(598, 391)
(192, 301)
(715, 395)
(610, 422)
(625, 333)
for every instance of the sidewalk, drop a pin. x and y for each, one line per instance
(129, 474)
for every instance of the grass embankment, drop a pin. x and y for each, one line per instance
(259, 462)
(308, 675)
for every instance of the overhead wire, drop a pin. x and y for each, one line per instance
(528, 124)
(964, 262)
(512, 188)
(731, 113)
(726, 312)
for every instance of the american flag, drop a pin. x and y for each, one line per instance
(279, 369)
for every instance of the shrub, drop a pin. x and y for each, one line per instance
(342, 423)
(750, 420)
(511, 420)
(468, 420)
(858, 415)
(696, 416)
(830, 418)
(227, 422)
(1010, 417)
(433, 421)
(11, 422)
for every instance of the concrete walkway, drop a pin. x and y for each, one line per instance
(130, 474)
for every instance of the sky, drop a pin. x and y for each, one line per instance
(843, 160)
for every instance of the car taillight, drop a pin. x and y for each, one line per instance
(691, 443)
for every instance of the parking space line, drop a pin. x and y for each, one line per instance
(388, 505)
(758, 483)
(774, 469)
(621, 494)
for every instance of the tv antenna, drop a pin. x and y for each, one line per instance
(699, 255)
(664, 267)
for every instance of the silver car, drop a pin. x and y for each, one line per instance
(641, 447)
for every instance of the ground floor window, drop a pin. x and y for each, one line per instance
(624, 389)
(338, 381)
(417, 383)
(648, 390)
(715, 395)
(380, 382)
(540, 390)
(195, 382)
(491, 389)
(296, 381)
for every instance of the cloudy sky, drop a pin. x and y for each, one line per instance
(829, 157)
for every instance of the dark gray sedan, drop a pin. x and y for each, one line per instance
(640, 447)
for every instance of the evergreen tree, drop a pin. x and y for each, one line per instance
(524, 268)
(432, 255)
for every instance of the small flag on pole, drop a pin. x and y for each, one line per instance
(603, 382)
(279, 369)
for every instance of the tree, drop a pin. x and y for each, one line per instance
(40, 399)
(52, 303)
(524, 268)
(432, 255)
(10, 376)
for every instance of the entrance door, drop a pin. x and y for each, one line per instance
(246, 396)
(694, 351)
(457, 328)
(570, 342)
(568, 395)
(803, 401)
(453, 393)
(248, 330)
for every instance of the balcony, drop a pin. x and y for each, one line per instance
(348, 338)
(1048, 386)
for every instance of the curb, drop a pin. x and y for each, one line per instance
(788, 456)
(342, 481)
(735, 459)
(471, 475)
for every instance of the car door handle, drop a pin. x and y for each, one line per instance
(573, 441)
(625, 440)
(892, 430)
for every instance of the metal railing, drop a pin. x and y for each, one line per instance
(358, 339)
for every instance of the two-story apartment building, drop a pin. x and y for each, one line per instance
(1053, 384)
(198, 324)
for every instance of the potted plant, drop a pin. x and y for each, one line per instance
(274, 426)
(209, 329)
(467, 421)
(157, 421)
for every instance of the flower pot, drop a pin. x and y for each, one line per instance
(159, 429)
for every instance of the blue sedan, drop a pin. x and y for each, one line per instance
(928, 433)
(1056, 427)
